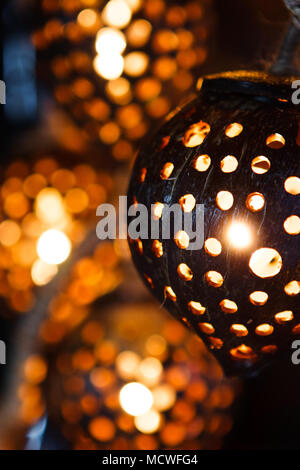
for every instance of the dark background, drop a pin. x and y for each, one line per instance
(247, 35)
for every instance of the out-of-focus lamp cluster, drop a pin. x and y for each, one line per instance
(46, 213)
(118, 66)
(133, 379)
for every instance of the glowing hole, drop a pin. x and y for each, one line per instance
(292, 185)
(239, 235)
(212, 246)
(224, 200)
(234, 129)
(53, 247)
(275, 141)
(164, 397)
(292, 225)
(296, 329)
(42, 273)
(238, 329)
(265, 329)
(142, 175)
(170, 293)
(228, 306)
(196, 308)
(260, 165)
(166, 171)
(243, 352)
(187, 202)
(110, 40)
(135, 63)
(206, 328)
(214, 279)
(135, 399)
(117, 13)
(229, 164)
(196, 134)
(157, 248)
(292, 288)
(255, 202)
(202, 163)
(258, 297)
(265, 262)
(157, 210)
(284, 317)
(182, 239)
(184, 272)
(269, 349)
(109, 66)
(215, 343)
(148, 423)
(139, 245)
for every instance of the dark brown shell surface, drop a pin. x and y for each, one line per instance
(247, 333)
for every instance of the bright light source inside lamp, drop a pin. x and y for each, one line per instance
(53, 247)
(135, 399)
(239, 235)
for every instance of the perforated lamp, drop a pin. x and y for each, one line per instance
(235, 149)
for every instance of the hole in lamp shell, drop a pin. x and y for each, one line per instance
(142, 175)
(157, 210)
(233, 130)
(157, 248)
(196, 134)
(170, 293)
(258, 297)
(292, 288)
(196, 308)
(185, 272)
(260, 165)
(224, 200)
(228, 306)
(284, 317)
(229, 164)
(269, 349)
(243, 352)
(238, 329)
(164, 141)
(206, 328)
(265, 329)
(255, 202)
(215, 343)
(212, 247)
(296, 329)
(166, 170)
(187, 202)
(182, 239)
(265, 262)
(292, 225)
(292, 185)
(214, 279)
(139, 245)
(202, 163)
(275, 141)
(149, 280)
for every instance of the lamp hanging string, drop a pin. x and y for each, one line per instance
(285, 63)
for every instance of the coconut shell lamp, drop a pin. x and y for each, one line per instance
(117, 67)
(130, 378)
(234, 149)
